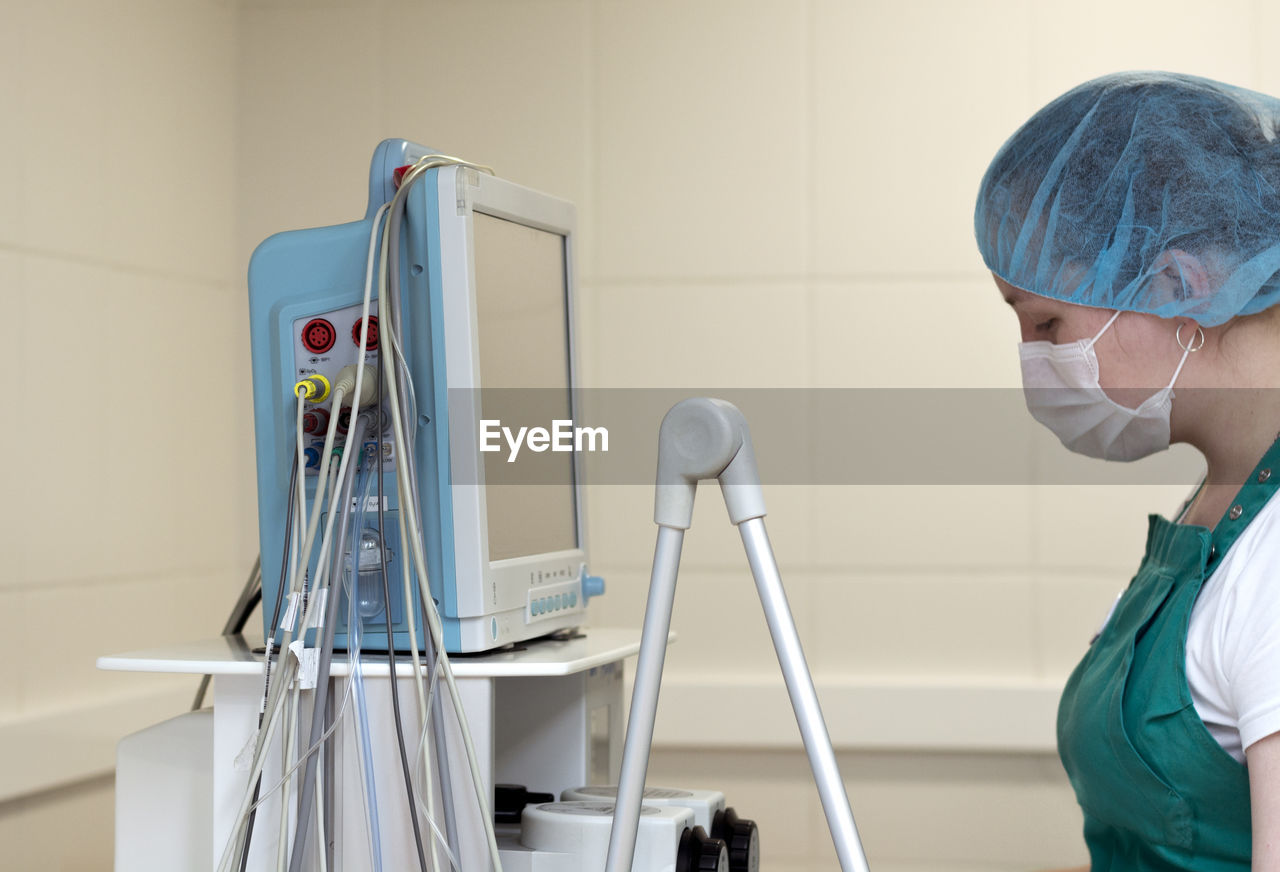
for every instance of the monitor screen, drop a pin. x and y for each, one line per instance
(523, 327)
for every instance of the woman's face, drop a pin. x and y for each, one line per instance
(1137, 355)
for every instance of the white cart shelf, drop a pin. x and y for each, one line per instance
(547, 714)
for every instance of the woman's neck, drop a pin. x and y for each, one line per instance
(1229, 408)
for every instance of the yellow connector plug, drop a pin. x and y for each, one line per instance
(314, 388)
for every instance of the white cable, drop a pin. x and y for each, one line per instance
(363, 773)
(295, 583)
(299, 572)
(355, 638)
(230, 853)
(324, 737)
(399, 361)
(321, 579)
(429, 607)
(389, 378)
(290, 732)
(276, 692)
(322, 851)
(302, 460)
(338, 394)
(294, 542)
(299, 564)
(355, 395)
(279, 691)
(302, 759)
(271, 710)
(437, 637)
(403, 496)
(421, 756)
(362, 770)
(423, 697)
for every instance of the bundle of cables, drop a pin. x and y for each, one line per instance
(351, 553)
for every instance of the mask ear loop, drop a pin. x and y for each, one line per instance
(1104, 329)
(1187, 350)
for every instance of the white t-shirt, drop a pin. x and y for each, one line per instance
(1233, 644)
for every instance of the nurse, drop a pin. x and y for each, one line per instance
(1133, 226)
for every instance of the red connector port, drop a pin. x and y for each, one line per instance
(371, 343)
(318, 336)
(315, 422)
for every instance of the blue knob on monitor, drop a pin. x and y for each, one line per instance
(592, 585)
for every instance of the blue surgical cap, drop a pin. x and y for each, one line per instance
(1142, 191)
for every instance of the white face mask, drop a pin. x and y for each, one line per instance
(1063, 393)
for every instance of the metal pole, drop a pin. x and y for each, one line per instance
(804, 699)
(644, 699)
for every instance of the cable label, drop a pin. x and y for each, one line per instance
(308, 664)
(315, 615)
(290, 613)
(370, 503)
(266, 677)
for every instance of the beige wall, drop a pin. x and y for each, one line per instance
(798, 174)
(123, 334)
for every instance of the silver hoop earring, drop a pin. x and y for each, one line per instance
(1194, 345)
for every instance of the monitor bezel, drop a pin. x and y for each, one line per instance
(462, 191)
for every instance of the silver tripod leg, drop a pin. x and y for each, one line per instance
(804, 699)
(703, 438)
(644, 699)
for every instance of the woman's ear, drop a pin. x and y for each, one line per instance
(1179, 275)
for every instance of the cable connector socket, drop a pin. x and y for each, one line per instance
(347, 383)
(313, 388)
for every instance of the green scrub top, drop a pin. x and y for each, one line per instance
(1158, 792)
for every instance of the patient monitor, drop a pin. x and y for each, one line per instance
(485, 296)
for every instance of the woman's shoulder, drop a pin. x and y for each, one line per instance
(1258, 545)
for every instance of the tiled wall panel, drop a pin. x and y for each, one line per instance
(701, 135)
(910, 102)
(117, 228)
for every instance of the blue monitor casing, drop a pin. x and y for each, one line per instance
(486, 299)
